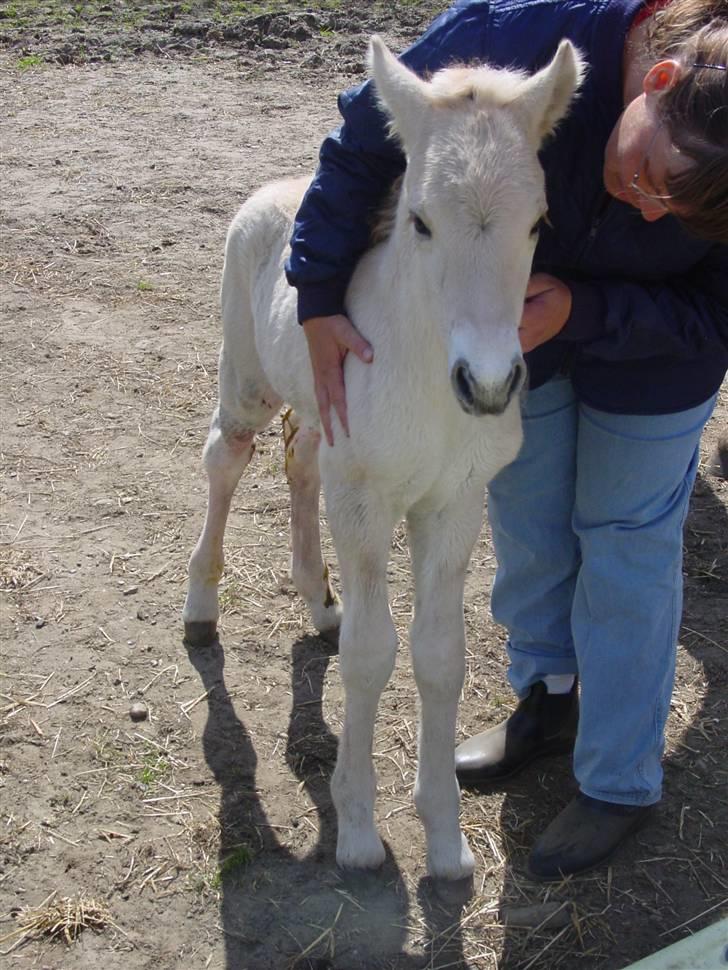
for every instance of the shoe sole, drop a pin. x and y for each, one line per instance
(553, 751)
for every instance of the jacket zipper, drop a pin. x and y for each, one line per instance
(598, 218)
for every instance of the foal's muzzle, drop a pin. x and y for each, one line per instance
(478, 398)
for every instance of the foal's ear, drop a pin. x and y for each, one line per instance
(399, 91)
(545, 97)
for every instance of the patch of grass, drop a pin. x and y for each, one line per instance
(138, 13)
(32, 60)
(134, 762)
(70, 31)
(144, 286)
(109, 752)
(154, 767)
(239, 859)
(231, 596)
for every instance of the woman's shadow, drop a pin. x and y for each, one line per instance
(663, 879)
(279, 910)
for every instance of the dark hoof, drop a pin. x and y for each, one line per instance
(719, 464)
(454, 892)
(330, 636)
(200, 634)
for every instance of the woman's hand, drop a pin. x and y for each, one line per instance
(545, 311)
(329, 341)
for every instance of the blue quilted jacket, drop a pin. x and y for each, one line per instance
(648, 331)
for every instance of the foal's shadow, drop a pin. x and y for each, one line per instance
(684, 892)
(279, 911)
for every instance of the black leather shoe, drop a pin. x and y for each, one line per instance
(542, 725)
(584, 835)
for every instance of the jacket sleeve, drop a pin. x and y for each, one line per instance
(357, 165)
(685, 317)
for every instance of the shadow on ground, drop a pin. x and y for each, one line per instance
(280, 911)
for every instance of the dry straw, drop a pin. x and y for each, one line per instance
(56, 919)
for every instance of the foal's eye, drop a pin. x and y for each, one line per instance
(420, 227)
(538, 225)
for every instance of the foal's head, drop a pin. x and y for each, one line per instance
(471, 203)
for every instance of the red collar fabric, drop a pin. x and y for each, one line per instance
(648, 10)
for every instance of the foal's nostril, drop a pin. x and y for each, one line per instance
(463, 381)
(487, 397)
(517, 377)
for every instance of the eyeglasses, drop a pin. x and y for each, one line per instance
(637, 188)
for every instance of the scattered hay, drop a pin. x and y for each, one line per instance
(16, 570)
(58, 919)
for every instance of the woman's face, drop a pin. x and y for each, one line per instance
(639, 155)
(637, 160)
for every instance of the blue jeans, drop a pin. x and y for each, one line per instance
(587, 526)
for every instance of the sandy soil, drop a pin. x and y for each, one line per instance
(203, 836)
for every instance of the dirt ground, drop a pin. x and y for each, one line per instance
(203, 836)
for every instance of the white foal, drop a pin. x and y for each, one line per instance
(432, 419)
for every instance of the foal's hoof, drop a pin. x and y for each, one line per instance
(450, 862)
(200, 633)
(454, 892)
(359, 850)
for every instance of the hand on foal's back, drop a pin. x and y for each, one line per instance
(329, 341)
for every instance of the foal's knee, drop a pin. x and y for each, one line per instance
(229, 447)
(367, 653)
(227, 432)
(439, 666)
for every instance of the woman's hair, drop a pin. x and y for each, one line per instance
(695, 109)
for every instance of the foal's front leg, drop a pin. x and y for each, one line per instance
(361, 526)
(441, 544)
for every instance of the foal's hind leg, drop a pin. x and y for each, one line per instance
(309, 572)
(229, 448)
(441, 544)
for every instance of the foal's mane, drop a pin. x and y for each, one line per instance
(487, 86)
(384, 218)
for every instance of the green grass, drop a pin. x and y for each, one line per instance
(239, 859)
(154, 768)
(107, 29)
(131, 14)
(109, 752)
(229, 597)
(143, 763)
(32, 60)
